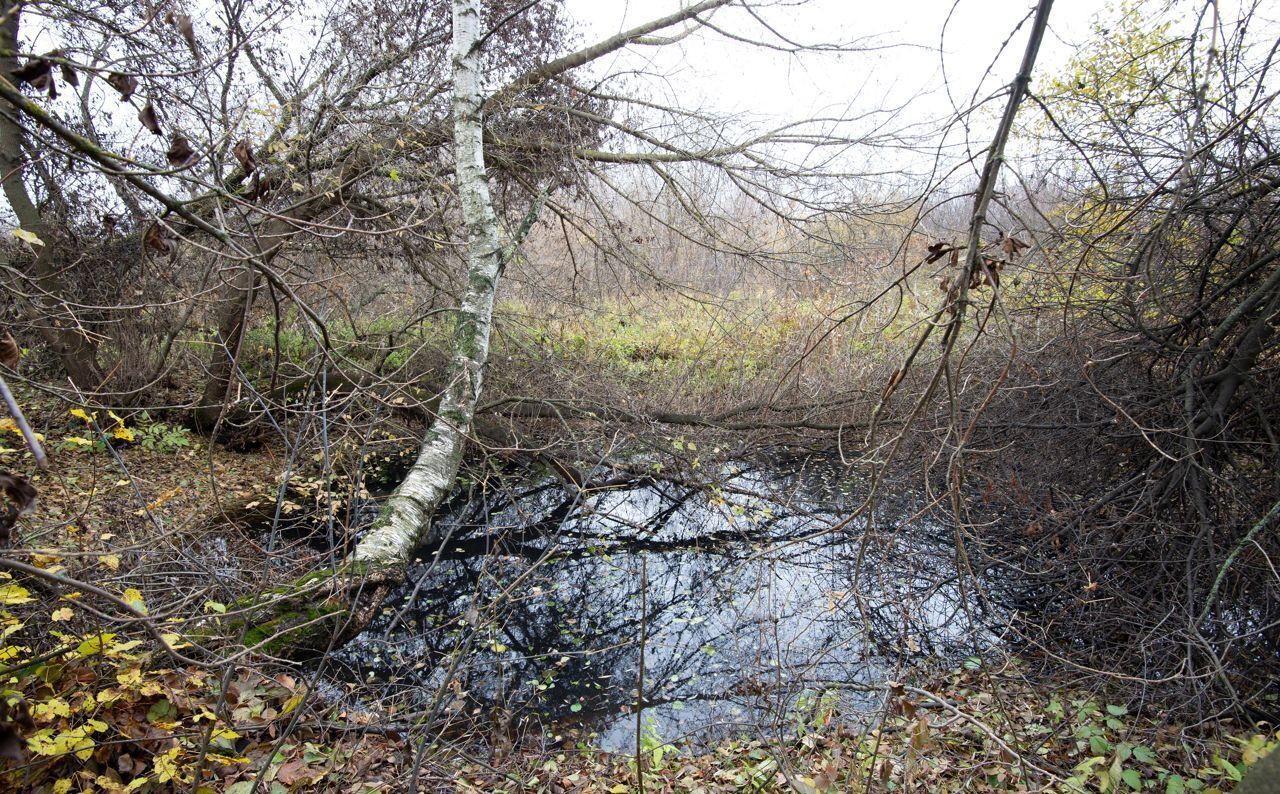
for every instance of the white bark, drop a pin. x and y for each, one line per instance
(405, 520)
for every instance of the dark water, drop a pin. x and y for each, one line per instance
(756, 598)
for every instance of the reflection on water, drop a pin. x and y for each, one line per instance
(746, 594)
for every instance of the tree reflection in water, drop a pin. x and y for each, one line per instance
(531, 610)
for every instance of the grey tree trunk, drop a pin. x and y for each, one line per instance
(55, 317)
(405, 520)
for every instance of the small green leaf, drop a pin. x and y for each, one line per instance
(1231, 769)
(1117, 711)
(161, 711)
(1144, 754)
(1132, 779)
(575, 708)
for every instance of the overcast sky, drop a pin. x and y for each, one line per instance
(734, 77)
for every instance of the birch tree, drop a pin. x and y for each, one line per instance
(407, 514)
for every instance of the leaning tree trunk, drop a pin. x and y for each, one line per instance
(306, 614)
(405, 520)
(293, 622)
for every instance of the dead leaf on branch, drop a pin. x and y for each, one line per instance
(38, 73)
(937, 251)
(157, 239)
(183, 23)
(125, 84)
(1012, 246)
(148, 118)
(180, 152)
(69, 74)
(244, 153)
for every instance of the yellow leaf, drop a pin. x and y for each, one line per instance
(14, 594)
(123, 433)
(62, 786)
(83, 442)
(28, 237)
(292, 703)
(10, 652)
(7, 423)
(52, 708)
(80, 413)
(133, 597)
(174, 641)
(94, 645)
(60, 615)
(112, 561)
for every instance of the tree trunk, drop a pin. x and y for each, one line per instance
(405, 520)
(57, 321)
(233, 316)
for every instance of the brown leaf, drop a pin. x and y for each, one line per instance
(148, 118)
(936, 252)
(109, 224)
(38, 73)
(244, 153)
(180, 152)
(69, 74)
(1012, 246)
(20, 496)
(183, 23)
(157, 239)
(126, 84)
(297, 771)
(10, 353)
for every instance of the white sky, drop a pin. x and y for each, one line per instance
(711, 71)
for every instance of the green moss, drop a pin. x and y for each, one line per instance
(311, 631)
(296, 611)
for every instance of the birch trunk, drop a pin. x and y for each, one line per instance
(405, 520)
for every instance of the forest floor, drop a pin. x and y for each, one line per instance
(92, 702)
